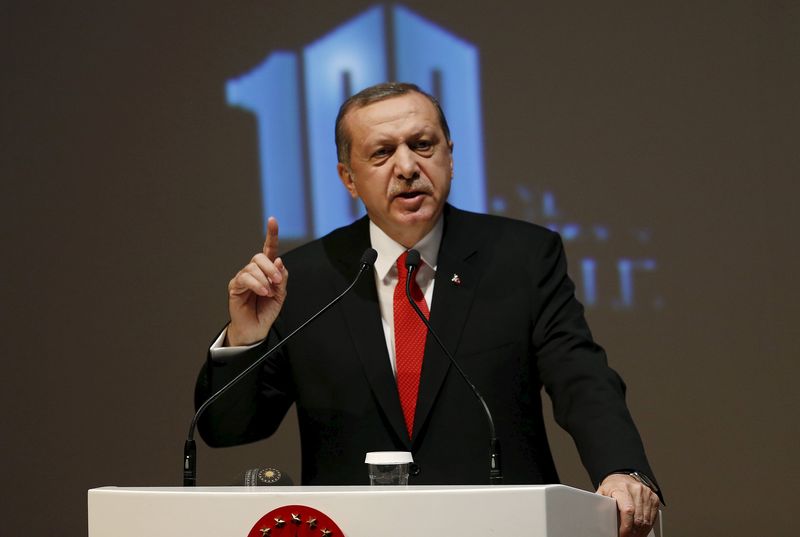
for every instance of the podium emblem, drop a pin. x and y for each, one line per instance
(295, 521)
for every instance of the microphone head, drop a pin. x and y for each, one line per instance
(413, 259)
(369, 257)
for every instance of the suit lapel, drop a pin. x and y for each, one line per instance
(457, 277)
(363, 318)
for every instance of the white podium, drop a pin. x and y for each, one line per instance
(418, 511)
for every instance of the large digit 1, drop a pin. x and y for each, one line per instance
(270, 92)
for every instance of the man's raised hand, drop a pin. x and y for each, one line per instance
(257, 292)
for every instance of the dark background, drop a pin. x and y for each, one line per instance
(130, 197)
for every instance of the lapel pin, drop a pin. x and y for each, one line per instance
(456, 279)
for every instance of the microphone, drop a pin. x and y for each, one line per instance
(495, 467)
(189, 448)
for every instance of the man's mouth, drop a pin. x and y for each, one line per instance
(410, 195)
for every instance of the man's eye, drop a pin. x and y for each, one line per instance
(423, 145)
(382, 152)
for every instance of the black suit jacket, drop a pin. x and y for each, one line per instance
(513, 324)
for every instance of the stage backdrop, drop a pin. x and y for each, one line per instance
(144, 143)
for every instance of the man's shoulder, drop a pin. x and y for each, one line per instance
(497, 225)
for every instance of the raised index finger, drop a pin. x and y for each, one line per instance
(270, 248)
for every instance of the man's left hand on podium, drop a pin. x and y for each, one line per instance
(637, 504)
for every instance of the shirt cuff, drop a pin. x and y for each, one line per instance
(218, 351)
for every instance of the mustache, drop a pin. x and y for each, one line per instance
(397, 187)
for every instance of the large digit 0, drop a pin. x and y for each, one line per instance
(353, 55)
(441, 63)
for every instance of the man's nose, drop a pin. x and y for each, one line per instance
(406, 165)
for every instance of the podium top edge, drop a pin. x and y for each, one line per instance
(340, 489)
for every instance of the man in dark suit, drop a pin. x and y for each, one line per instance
(499, 297)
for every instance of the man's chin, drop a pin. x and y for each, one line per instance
(422, 221)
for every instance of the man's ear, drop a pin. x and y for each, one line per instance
(346, 177)
(451, 146)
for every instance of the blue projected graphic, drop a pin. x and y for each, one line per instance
(339, 64)
(299, 183)
(602, 279)
(626, 269)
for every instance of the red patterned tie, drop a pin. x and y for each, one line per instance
(409, 341)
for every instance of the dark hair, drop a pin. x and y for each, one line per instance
(374, 94)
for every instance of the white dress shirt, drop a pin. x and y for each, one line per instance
(386, 273)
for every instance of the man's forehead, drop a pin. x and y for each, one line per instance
(395, 107)
(413, 107)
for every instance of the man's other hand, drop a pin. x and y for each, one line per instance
(257, 292)
(637, 505)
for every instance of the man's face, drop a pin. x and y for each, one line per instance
(401, 165)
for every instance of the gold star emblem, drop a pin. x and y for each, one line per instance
(326, 532)
(279, 522)
(312, 523)
(270, 475)
(296, 519)
(265, 532)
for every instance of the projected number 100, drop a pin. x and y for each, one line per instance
(346, 60)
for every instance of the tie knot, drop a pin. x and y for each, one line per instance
(402, 272)
(410, 256)
(401, 262)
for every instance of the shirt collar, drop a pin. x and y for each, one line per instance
(389, 250)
